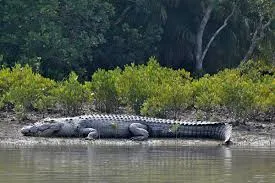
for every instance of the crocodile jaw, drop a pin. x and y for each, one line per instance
(41, 129)
(29, 130)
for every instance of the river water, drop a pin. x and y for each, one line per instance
(107, 164)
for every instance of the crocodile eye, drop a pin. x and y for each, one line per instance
(52, 121)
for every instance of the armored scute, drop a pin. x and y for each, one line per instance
(125, 126)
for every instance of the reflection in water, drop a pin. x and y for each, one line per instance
(136, 164)
(159, 164)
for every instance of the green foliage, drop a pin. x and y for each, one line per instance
(5, 80)
(265, 100)
(139, 83)
(207, 92)
(64, 34)
(238, 93)
(255, 70)
(5, 83)
(174, 128)
(262, 75)
(158, 91)
(243, 91)
(114, 125)
(172, 96)
(146, 89)
(25, 90)
(136, 84)
(28, 91)
(104, 87)
(72, 95)
(56, 37)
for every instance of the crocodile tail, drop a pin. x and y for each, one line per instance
(226, 132)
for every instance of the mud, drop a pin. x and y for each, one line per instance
(253, 133)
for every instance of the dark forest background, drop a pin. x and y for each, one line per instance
(56, 37)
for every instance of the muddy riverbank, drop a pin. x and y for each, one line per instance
(251, 133)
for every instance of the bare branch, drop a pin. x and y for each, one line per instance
(267, 24)
(258, 35)
(217, 32)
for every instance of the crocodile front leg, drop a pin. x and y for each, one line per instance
(139, 131)
(90, 133)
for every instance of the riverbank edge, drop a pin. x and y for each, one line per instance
(251, 133)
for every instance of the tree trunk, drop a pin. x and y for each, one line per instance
(258, 35)
(200, 55)
(199, 37)
(199, 67)
(217, 32)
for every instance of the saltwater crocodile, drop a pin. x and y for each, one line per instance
(126, 126)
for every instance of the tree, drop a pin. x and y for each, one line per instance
(200, 52)
(198, 32)
(260, 15)
(55, 36)
(133, 37)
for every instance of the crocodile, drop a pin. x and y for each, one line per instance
(127, 126)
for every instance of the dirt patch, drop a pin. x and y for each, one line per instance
(252, 133)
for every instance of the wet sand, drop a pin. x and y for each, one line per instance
(251, 134)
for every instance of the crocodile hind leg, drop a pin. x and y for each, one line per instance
(139, 131)
(90, 133)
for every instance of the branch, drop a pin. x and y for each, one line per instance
(217, 32)
(256, 38)
(267, 24)
(203, 6)
(121, 17)
(255, 34)
(263, 29)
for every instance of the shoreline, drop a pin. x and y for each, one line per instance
(254, 134)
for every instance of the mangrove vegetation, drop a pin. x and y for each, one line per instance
(148, 57)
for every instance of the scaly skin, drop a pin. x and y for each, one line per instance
(124, 126)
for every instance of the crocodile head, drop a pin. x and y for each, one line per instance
(41, 129)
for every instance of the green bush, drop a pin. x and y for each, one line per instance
(146, 89)
(250, 89)
(170, 99)
(207, 92)
(5, 80)
(225, 89)
(265, 94)
(138, 83)
(173, 93)
(262, 75)
(5, 83)
(72, 95)
(242, 91)
(238, 93)
(103, 85)
(255, 70)
(25, 89)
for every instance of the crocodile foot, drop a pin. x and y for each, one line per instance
(139, 138)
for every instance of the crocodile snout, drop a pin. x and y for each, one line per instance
(29, 130)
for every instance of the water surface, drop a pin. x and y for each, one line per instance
(104, 164)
